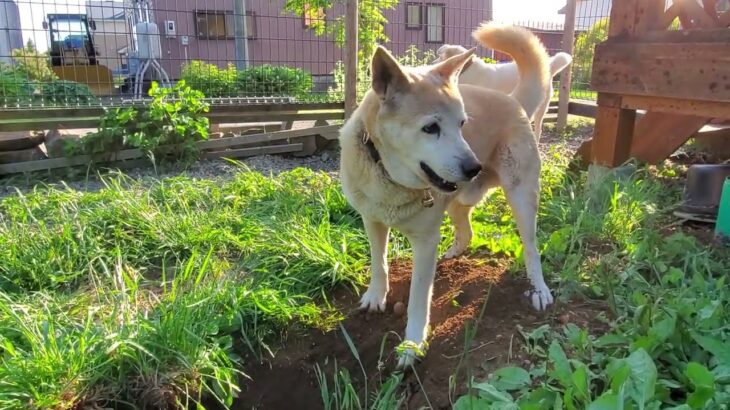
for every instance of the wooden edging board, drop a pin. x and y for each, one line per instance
(327, 132)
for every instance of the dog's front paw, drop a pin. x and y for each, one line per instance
(374, 300)
(540, 296)
(408, 353)
(455, 250)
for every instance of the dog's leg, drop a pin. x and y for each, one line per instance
(419, 301)
(375, 297)
(519, 175)
(461, 218)
(523, 199)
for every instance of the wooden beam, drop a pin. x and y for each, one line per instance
(623, 18)
(582, 109)
(351, 53)
(266, 137)
(677, 106)
(695, 71)
(649, 16)
(566, 74)
(657, 135)
(612, 136)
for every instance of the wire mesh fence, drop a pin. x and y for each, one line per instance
(86, 53)
(76, 53)
(591, 28)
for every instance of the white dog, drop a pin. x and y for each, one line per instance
(504, 77)
(420, 145)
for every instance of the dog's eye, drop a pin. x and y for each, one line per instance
(462, 123)
(432, 128)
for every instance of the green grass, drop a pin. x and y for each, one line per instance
(137, 294)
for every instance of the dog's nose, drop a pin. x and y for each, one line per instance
(471, 168)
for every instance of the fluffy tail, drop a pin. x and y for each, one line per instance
(558, 62)
(530, 56)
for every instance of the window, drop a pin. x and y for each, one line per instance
(312, 16)
(250, 24)
(413, 16)
(214, 25)
(435, 16)
(217, 25)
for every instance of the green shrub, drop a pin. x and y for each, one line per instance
(36, 66)
(210, 79)
(489, 60)
(15, 87)
(259, 81)
(63, 92)
(167, 129)
(267, 80)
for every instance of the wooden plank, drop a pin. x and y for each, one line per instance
(266, 137)
(657, 135)
(677, 106)
(582, 109)
(351, 55)
(250, 152)
(45, 113)
(566, 74)
(697, 71)
(24, 124)
(612, 136)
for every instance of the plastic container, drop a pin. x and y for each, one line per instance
(722, 227)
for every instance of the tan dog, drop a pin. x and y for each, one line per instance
(504, 77)
(420, 145)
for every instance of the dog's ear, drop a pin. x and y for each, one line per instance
(388, 76)
(450, 68)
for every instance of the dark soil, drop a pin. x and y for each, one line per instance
(288, 380)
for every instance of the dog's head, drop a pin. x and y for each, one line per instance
(447, 51)
(419, 122)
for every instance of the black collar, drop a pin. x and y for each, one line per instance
(374, 154)
(426, 200)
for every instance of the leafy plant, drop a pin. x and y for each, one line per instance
(15, 88)
(267, 80)
(33, 64)
(63, 92)
(257, 81)
(168, 128)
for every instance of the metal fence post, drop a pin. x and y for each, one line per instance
(240, 30)
(566, 74)
(351, 49)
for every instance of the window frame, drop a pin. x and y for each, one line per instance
(421, 13)
(206, 36)
(443, 22)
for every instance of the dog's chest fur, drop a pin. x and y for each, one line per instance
(369, 189)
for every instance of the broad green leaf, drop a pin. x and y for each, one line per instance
(561, 368)
(580, 383)
(664, 328)
(470, 402)
(611, 339)
(718, 348)
(489, 392)
(511, 378)
(704, 385)
(643, 376)
(607, 401)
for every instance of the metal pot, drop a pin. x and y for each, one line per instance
(703, 188)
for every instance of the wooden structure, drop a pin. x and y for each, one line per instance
(680, 77)
(298, 142)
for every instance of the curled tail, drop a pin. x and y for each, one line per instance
(558, 62)
(529, 55)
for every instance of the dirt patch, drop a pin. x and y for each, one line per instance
(289, 381)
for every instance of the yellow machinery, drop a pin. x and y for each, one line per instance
(73, 54)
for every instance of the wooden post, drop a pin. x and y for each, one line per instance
(351, 50)
(566, 74)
